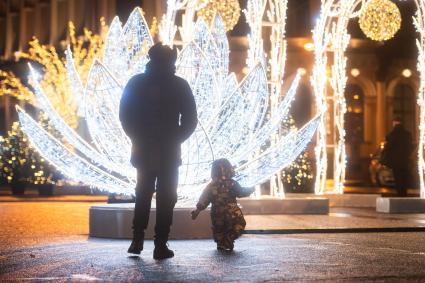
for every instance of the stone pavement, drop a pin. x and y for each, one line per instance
(371, 257)
(47, 222)
(48, 241)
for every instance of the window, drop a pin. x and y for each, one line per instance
(404, 106)
(354, 117)
(301, 106)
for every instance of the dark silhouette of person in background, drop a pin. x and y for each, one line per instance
(396, 155)
(158, 113)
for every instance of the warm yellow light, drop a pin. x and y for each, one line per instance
(302, 71)
(229, 10)
(407, 73)
(355, 72)
(356, 97)
(309, 46)
(380, 20)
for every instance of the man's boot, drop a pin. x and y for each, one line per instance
(136, 245)
(161, 250)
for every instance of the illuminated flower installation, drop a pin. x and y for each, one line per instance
(234, 121)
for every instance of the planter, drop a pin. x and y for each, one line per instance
(45, 189)
(18, 188)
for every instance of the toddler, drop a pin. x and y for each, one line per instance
(226, 216)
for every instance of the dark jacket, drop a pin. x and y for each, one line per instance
(158, 113)
(398, 147)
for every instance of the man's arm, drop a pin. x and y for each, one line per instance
(189, 118)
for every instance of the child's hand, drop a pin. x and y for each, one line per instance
(195, 213)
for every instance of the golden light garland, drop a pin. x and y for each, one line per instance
(55, 80)
(380, 20)
(13, 86)
(229, 10)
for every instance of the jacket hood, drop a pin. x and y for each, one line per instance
(162, 59)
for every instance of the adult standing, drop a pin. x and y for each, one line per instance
(158, 113)
(397, 153)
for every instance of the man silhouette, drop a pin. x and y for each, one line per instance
(398, 150)
(158, 113)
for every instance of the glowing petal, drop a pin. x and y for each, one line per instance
(264, 134)
(102, 98)
(71, 137)
(138, 40)
(197, 155)
(68, 162)
(231, 85)
(193, 66)
(75, 81)
(242, 114)
(204, 39)
(218, 33)
(278, 156)
(115, 57)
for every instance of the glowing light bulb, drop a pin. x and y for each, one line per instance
(355, 72)
(407, 73)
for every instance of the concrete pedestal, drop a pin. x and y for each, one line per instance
(400, 205)
(115, 221)
(344, 200)
(270, 205)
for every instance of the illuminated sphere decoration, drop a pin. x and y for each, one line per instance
(233, 116)
(380, 20)
(229, 10)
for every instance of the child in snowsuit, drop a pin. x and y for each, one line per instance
(226, 217)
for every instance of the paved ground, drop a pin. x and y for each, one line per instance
(32, 223)
(398, 257)
(48, 241)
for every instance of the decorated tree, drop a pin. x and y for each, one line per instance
(297, 177)
(20, 164)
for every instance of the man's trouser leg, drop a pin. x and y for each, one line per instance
(144, 190)
(401, 178)
(166, 198)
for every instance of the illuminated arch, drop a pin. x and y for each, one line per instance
(331, 37)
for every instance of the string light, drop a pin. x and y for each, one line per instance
(419, 22)
(19, 162)
(331, 30)
(229, 10)
(233, 117)
(407, 73)
(355, 72)
(380, 19)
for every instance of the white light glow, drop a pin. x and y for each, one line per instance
(355, 72)
(302, 71)
(407, 73)
(239, 121)
(309, 46)
(331, 38)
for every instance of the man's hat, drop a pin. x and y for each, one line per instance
(162, 54)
